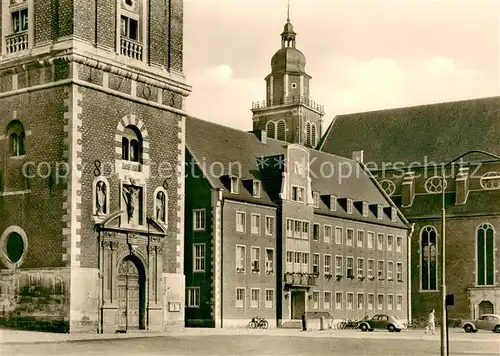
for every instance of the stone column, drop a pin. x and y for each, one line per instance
(154, 294)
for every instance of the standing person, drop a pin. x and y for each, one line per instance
(431, 323)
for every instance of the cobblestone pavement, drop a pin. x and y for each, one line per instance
(252, 342)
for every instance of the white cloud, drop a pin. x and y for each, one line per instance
(220, 74)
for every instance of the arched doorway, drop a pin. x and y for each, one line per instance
(131, 294)
(485, 307)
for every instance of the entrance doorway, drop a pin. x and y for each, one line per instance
(131, 294)
(298, 304)
(485, 307)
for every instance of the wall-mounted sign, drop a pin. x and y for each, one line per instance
(174, 306)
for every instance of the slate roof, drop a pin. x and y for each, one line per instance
(441, 132)
(214, 145)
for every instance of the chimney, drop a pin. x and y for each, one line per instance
(358, 156)
(408, 189)
(261, 135)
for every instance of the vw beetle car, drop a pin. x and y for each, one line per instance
(382, 321)
(489, 322)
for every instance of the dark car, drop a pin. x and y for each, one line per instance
(489, 322)
(382, 321)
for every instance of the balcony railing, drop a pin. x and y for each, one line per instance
(300, 279)
(289, 100)
(17, 42)
(131, 48)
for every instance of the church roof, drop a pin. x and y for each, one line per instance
(419, 134)
(214, 145)
(289, 60)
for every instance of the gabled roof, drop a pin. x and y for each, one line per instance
(427, 133)
(217, 146)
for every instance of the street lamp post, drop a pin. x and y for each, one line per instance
(444, 316)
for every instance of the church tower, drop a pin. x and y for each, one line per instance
(288, 113)
(92, 145)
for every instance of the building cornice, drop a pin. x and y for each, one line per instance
(75, 50)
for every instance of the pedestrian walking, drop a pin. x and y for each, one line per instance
(431, 323)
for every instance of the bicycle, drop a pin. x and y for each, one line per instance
(258, 323)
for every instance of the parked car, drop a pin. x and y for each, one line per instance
(485, 322)
(382, 321)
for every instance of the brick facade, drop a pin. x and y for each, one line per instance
(77, 250)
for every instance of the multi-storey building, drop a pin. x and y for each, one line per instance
(91, 102)
(275, 228)
(408, 162)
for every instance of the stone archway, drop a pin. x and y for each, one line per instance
(131, 293)
(485, 307)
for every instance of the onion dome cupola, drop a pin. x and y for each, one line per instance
(288, 58)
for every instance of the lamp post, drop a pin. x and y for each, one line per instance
(444, 316)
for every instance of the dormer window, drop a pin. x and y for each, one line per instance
(256, 189)
(380, 212)
(365, 209)
(316, 199)
(394, 214)
(349, 206)
(333, 203)
(234, 185)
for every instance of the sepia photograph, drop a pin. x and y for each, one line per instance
(249, 177)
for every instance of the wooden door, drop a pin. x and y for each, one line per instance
(298, 304)
(129, 296)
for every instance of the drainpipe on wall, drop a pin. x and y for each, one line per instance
(221, 259)
(100, 291)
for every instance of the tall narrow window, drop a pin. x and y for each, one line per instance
(129, 28)
(271, 129)
(255, 297)
(255, 259)
(316, 263)
(15, 132)
(131, 144)
(199, 219)
(269, 298)
(428, 255)
(240, 259)
(240, 297)
(308, 133)
(199, 257)
(313, 135)
(269, 261)
(281, 130)
(485, 246)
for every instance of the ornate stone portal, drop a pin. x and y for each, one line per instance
(131, 267)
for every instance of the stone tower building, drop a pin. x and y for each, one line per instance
(92, 135)
(288, 113)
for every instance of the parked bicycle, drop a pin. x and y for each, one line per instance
(350, 324)
(258, 323)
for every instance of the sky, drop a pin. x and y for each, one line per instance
(362, 55)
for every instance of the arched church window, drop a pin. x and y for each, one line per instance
(485, 250)
(271, 129)
(281, 131)
(428, 258)
(313, 135)
(161, 205)
(131, 144)
(16, 134)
